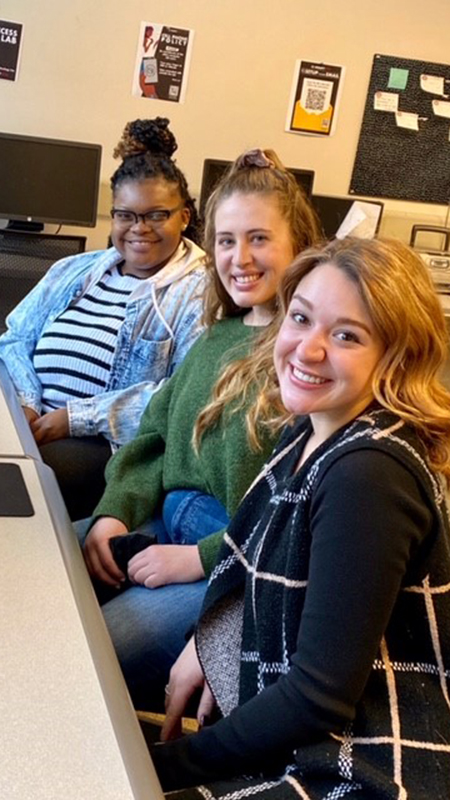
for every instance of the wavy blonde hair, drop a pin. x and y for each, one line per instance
(254, 172)
(405, 310)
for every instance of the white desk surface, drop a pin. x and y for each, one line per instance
(67, 726)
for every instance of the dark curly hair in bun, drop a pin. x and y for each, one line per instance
(146, 148)
(146, 135)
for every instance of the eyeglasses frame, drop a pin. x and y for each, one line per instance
(169, 212)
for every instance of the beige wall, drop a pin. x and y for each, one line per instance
(78, 60)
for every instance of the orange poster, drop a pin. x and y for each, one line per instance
(314, 98)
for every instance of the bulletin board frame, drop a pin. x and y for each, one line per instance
(401, 163)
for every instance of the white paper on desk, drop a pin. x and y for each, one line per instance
(385, 101)
(405, 119)
(360, 221)
(441, 108)
(431, 83)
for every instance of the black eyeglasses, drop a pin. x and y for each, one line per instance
(157, 217)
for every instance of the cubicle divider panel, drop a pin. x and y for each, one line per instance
(25, 258)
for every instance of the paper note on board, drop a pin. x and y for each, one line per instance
(385, 101)
(398, 78)
(441, 108)
(404, 119)
(431, 83)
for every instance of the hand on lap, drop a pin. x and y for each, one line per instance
(161, 564)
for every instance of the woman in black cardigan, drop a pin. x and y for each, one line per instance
(325, 634)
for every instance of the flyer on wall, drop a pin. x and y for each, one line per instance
(10, 41)
(315, 97)
(162, 62)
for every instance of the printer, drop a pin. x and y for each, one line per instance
(437, 260)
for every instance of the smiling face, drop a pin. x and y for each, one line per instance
(327, 350)
(253, 248)
(145, 246)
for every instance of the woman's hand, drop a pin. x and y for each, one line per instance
(30, 414)
(160, 564)
(51, 426)
(97, 552)
(186, 676)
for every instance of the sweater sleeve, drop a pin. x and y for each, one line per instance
(208, 550)
(134, 475)
(368, 517)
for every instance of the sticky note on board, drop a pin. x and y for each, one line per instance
(441, 108)
(405, 119)
(432, 83)
(385, 101)
(398, 78)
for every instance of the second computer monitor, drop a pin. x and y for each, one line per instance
(214, 169)
(362, 217)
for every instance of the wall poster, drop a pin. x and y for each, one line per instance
(10, 40)
(162, 62)
(314, 98)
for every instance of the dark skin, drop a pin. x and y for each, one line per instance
(51, 426)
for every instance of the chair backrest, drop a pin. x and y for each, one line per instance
(25, 258)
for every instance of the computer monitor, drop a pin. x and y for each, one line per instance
(48, 180)
(214, 169)
(333, 211)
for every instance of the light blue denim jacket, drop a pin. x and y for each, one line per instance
(162, 322)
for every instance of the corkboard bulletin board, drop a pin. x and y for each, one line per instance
(397, 162)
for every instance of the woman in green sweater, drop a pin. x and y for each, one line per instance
(256, 220)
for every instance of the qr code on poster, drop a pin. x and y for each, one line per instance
(174, 90)
(315, 100)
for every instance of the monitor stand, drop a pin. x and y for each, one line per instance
(22, 226)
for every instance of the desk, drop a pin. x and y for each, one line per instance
(68, 729)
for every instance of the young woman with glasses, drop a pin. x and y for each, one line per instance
(87, 348)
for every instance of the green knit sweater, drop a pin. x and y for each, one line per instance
(161, 458)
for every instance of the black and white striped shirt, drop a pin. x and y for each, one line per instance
(74, 357)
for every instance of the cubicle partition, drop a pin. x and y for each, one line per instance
(24, 260)
(68, 728)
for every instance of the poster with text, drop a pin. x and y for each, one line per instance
(314, 99)
(10, 40)
(162, 62)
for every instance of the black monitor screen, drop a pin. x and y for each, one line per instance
(214, 169)
(332, 212)
(48, 180)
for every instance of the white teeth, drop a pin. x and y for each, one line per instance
(303, 376)
(246, 278)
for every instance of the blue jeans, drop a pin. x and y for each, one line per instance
(148, 627)
(190, 515)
